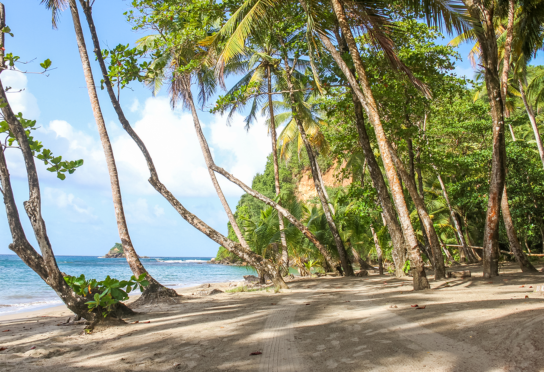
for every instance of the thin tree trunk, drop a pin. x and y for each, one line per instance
(378, 250)
(532, 119)
(284, 251)
(346, 265)
(367, 99)
(489, 59)
(303, 229)
(253, 259)
(515, 246)
(507, 52)
(458, 230)
(389, 214)
(363, 265)
(439, 270)
(130, 254)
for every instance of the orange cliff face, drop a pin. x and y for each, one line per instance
(305, 186)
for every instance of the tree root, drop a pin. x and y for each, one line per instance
(156, 294)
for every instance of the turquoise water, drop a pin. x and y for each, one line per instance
(23, 290)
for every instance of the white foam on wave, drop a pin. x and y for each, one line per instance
(180, 261)
(12, 308)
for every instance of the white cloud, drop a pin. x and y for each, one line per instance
(77, 209)
(135, 105)
(172, 142)
(22, 101)
(140, 212)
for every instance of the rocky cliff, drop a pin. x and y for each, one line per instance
(305, 188)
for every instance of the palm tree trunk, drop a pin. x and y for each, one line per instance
(507, 53)
(389, 214)
(233, 247)
(489, 59)
(515, 246)
(378, 250)
(532, 119)
(439, 270)
(346, 265)
(284, 251)
(367, 99)
(458, 230)
(363, 265)
(130, 254)
(281, 210)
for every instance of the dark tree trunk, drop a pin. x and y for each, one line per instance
(438, 259)
(366, 98)
(389, 214)
(484, 13)
(515, 246)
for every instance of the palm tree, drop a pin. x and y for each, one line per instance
(261, 68)
(155, 289)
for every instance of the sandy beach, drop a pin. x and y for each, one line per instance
(319, 324)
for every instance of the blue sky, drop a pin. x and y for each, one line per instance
(78, 211)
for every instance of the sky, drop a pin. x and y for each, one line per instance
(79, 211)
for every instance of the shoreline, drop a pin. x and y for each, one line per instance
(55, 308)
(319, 324)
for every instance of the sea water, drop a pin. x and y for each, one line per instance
(21, 289)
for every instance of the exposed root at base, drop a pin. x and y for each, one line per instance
(154, 295)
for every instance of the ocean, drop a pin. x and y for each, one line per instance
(21, 289)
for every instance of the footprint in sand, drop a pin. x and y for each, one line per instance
(360, 347)
(320, 347)
(368, 331)
(332, 335)
(336, 343)
(346, 360)
(355, 339)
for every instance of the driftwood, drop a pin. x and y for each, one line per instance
(458, 274)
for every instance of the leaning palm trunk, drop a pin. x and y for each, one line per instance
(253, 259)
(515, 245)
(346, 265)
(389, 214)
(378, 249)
(464, 245)
(332, 262)
(130, 253)
(438, 259)
(532, 119)
(284, 251)
(45, 265)
(367, 100)
(483, 13)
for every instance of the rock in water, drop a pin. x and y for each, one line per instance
(116, 252)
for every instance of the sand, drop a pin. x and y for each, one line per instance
(319, 324)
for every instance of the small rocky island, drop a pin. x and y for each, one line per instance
(118, 252)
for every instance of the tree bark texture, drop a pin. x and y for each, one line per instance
(515, 245)
(366, 98)
(466, 252)
(389, 214)
(378, 250)
(284, 251)
(437, 257)
(489, 58)
(130, 254)
(346, 265)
